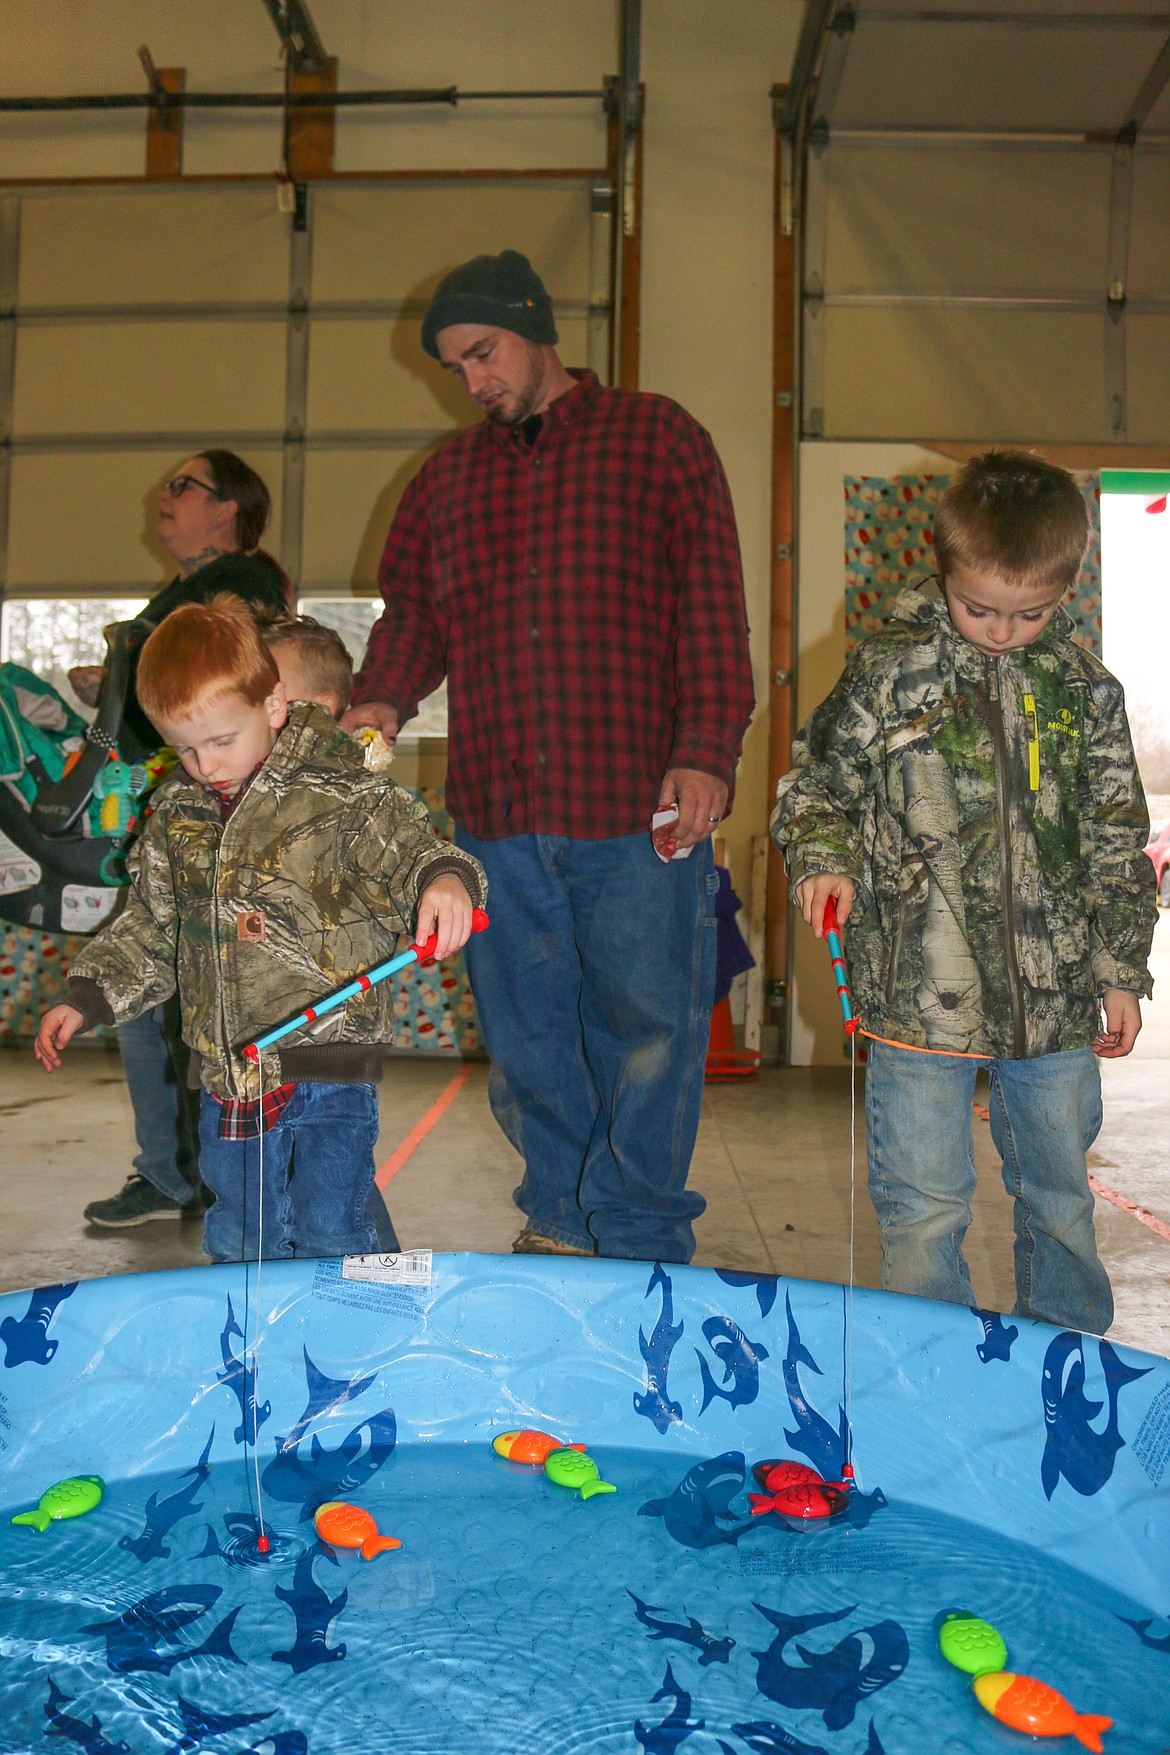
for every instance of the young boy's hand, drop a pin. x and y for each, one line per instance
(444, 907)
(57, 1030)
(1123, 1020)
(813, 892)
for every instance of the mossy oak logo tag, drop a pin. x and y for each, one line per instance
(1064, 724)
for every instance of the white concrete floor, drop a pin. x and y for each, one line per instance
(772, 1160)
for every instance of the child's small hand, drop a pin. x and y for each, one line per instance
(813, 892)
(1123, 1020)
(58, 1028)
(444, 907)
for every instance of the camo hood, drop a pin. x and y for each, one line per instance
(989, 812)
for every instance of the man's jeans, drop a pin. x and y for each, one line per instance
(594, 985)
(1045, 1114)
(318, 1173)
(166, 1114)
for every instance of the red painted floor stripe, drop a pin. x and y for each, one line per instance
(1141, 1214)
(422, 1128)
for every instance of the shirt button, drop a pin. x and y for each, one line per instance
(536, 463)
(534, 631)
(541, 759)
(534, 572)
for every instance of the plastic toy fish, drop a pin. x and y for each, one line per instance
(1028, 1705)
(796, 1490)
(71, 1498)
(572, 1468)
(347, 1526)
(972, 1645)
(529, 1446)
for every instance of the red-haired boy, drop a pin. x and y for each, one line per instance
(276, 868)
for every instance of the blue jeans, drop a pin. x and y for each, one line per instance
(594, 985)
(1045, 1114)
(166, 1114)
(318, 1174)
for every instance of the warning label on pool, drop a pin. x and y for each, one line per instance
(413, 1268)
(377, 1283)
(1151, 1444)
(783, 1562)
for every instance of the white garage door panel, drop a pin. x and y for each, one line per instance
(150, 377)
(966, 221)
(1149, 235)
(1148, 350)
(397, 243)
(350, 498)
(86, 520)
(963, 374)
(153, 247)
(375, 374)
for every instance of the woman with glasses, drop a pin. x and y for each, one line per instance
(211, 516)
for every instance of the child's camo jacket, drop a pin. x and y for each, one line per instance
(309, 882)
(989, 811)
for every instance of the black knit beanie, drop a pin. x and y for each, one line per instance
(503, 292)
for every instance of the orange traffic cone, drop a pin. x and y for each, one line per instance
(725, 1059)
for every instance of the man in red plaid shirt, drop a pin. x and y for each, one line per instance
(571, 565)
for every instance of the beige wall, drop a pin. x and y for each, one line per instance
(707, 295)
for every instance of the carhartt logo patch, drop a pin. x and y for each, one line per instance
(251, 928)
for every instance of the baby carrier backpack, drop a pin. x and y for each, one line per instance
(68, 802)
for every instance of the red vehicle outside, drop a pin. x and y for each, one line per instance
(1158, 849)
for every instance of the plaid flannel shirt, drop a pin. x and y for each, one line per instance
(584, 595)
(247, 1118)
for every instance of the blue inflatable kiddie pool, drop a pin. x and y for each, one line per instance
(1004, 1471)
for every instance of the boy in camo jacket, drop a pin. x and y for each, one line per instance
(274, 869)
(969, 795)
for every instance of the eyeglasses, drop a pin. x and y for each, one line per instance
(178, 485)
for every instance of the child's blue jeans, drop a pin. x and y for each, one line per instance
(1045, 1114)
(318, 1173)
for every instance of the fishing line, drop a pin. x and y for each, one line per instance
(832, 934)
(262, 1539)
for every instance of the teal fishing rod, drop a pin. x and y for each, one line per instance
(840, 973)
(360, 984)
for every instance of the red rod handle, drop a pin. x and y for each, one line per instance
(426, 952)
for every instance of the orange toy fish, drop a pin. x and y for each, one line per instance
(347, 1526)
(1028, 1705)
(528, 1446)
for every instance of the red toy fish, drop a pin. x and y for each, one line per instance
(795, 1490)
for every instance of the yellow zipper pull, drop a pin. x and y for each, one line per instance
(1033, 743)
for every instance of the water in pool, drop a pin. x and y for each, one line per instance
(518, 1618)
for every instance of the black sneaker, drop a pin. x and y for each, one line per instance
(138, 1203)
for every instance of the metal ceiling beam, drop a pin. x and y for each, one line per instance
(810, 45)
(1152, 87)
(275, 100)
(295, 28)
(1021, 20)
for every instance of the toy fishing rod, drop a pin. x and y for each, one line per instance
(361, 984)
(840, 974)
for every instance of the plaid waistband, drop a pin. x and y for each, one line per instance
(246, 1118)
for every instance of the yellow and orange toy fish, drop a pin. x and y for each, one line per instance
(1028, 1705)
(347, 1526)
(527, 1446)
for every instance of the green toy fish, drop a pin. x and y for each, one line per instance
(71, 1498)
(972, 1645)
(572, 1468)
